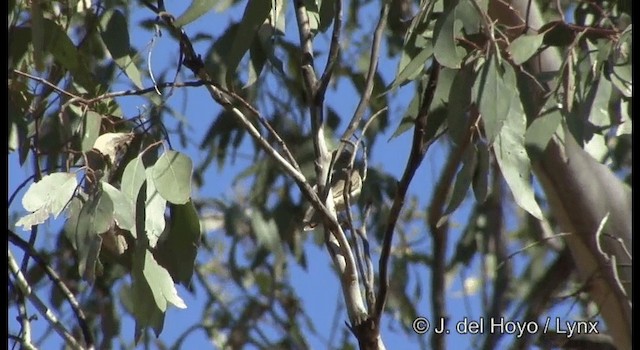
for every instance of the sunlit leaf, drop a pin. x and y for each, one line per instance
(155, 206)
(91, 130)
(172, 177)
(512, 157)
(123, 212)
(47, 197)
(146, 308)
(110, 144)
(496, 93)
(196, 9)
(132, 178)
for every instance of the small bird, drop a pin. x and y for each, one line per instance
(311, 219)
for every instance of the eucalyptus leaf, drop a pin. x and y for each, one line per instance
(47, 197)
(196, 9)
(524, 47)
(171, 177)
(155, 206)
(177, 249)
(445, 48)
(514, 162)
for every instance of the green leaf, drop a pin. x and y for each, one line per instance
(47, 197)
(177, 252)
(155, 206)
(459, 102)
(513, 160)
(37, 35)
(152, 289)
(162, 286)
(132, 178)
(599, 103)
(445, 48)
(467, 13)
(525, 46)
(409, 117)
(197, 9)
(258, 56)
(496, 94)
(59, 44)
(327, 13)
(542, 128)
(463, 179)
(266, 232)
(172, 177)
(255, 13)
(95, 217)
(115, 35)
(412, 69)
(481, 174)
(102, 213)
(146, 310)
(123, 212)
(18, 39)
(91, 130)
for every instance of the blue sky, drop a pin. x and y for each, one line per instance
(318, 285)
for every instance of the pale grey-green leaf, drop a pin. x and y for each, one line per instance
(525, 46)
(514, 162)
(155, 206)
(122, 207)
(172, 177)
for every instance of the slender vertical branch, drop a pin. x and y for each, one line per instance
(495, 228)
(334, 51)
(53, 276)
(335, 239)
(419, 148)
(439, 231)
(371, 73)
(26, 290)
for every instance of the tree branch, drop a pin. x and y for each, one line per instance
(53, 276)
(26, 290)
(419, 148)
(334, 50)
(335, 238)
(368, 85)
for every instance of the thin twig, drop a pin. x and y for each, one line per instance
(334, 51)
(25, 322)
(418, 150)
(335, 237)
(23, 285)
(368, 276)
(53, 276)
(47, 83)
(369, 81)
